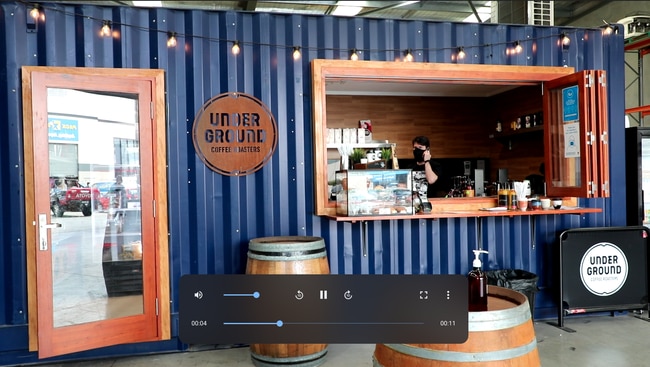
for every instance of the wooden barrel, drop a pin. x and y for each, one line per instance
(287, 255)
(503, 336)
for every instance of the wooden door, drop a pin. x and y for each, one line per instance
(94, 184)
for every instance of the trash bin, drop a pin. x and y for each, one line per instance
(516, 279)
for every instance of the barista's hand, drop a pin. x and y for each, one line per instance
(427, 155)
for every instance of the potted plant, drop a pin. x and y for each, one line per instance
(356, 156)
(387, 156)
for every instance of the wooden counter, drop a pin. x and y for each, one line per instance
(471, 207)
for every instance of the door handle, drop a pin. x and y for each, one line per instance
(43, 226)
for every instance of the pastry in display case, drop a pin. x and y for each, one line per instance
(371, 192)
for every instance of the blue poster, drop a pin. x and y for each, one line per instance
(62, 129)
(570, 104)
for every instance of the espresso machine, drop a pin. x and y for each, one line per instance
(458, 186)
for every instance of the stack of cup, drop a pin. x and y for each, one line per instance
(522, 203)
(546, 203)
(522, 200)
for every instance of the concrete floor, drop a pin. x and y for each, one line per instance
(598, 340)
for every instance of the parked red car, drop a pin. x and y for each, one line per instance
(67, 195)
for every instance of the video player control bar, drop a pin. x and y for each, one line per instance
(229, 309)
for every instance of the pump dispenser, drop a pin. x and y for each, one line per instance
(477, 280)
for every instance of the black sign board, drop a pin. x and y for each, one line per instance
(602, 269)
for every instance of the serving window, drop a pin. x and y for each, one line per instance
(466, 90)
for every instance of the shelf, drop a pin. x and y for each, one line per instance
(519, 132)
(471, 207)
(471, 213)
(361, 145)
(507, 137)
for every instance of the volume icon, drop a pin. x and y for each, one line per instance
(198, 295)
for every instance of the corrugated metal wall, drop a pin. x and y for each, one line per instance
(212, 217)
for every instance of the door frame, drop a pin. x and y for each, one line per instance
(155, 78)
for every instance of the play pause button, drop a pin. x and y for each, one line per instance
(323, 294)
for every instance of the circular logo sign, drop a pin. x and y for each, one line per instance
(603, 269)
(235, 134)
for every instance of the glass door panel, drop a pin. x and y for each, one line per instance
(569, 134)
(94, 178)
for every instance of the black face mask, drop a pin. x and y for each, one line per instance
(418, 154)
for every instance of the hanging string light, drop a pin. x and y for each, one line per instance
(106, 29)
(235, 48)
(35, 12)
(353, 55)
(461, 53)
(408, 56)
(608, 28)
(171, 39)
(565, 39)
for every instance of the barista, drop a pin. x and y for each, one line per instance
(425, 171)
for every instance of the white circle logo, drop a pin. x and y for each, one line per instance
(603, 269)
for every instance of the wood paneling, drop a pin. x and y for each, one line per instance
(520, 154)
(458, 127)
(452, 124)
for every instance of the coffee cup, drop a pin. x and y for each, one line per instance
(535, 204)
(522, 204)
(546, 203)
(557, 203)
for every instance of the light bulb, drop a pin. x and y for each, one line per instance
(35, 13)
(106, 29)
(171, 41)
(408, 56)
(235, 48)
(461, 53)
(518, 47)
(565, 39)
(607, 28)
(296, 53)
(353, 55)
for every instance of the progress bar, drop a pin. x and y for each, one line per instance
(280, 323)
(254, 295)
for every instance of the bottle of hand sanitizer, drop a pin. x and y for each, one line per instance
(477, 280)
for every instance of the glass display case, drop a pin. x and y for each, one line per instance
(370, 192)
